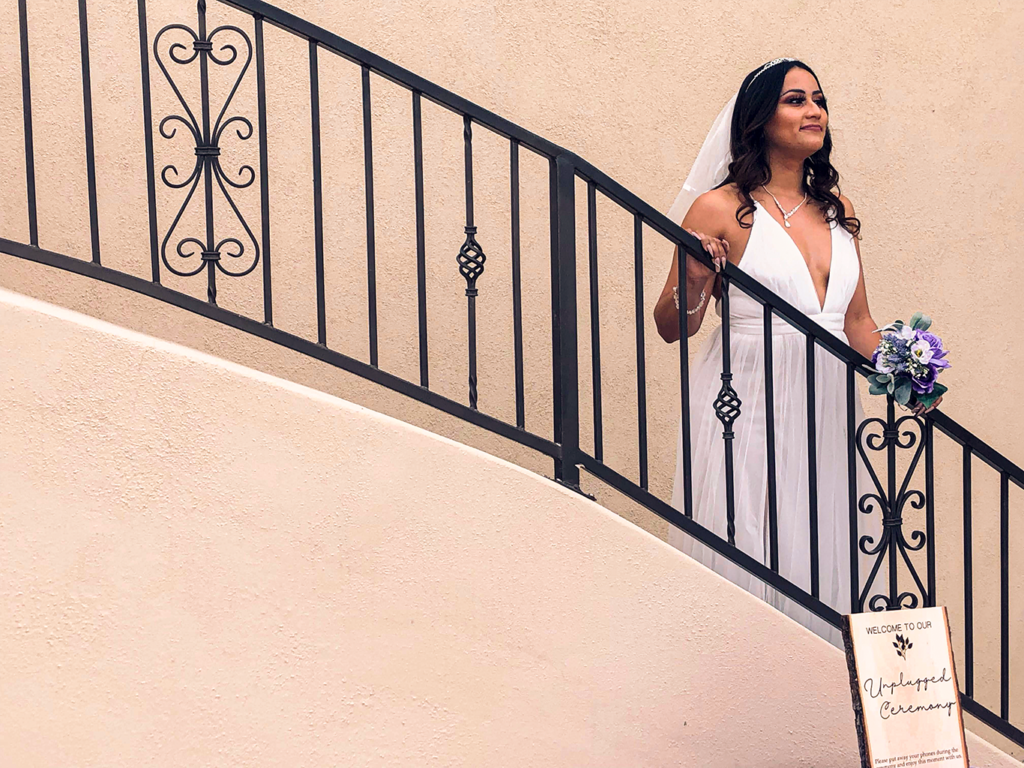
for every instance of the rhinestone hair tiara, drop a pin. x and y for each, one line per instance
(767, 66)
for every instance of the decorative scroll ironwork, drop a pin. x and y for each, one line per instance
(471, 260)
(892, 544)
(207, 138)
(727, 409)
(727, 406)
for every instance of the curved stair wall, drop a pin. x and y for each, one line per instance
(202, 564)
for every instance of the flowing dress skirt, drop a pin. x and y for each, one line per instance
(834, 511)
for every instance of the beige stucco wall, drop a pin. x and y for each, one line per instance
(928, 142)
(201, 564)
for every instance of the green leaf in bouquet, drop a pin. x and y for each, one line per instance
(894, 326)
(915, 319)
(890, 387)
(877, 389)
(920, 322)
(879, 383)
(928, 400)
(903, 393)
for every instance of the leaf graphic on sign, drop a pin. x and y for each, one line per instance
(902, 645)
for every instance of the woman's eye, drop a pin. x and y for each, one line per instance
(799, 100)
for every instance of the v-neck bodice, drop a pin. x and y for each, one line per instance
(773, 258)
(828, 281)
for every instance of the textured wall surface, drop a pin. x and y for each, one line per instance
(203, 565)
(928, 141)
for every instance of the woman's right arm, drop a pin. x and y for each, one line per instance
(700, 281)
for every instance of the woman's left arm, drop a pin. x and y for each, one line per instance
(859, 326)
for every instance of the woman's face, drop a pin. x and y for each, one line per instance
(799, 123)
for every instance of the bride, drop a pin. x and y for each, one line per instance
(764, 195)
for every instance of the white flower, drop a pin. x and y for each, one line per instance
(921, 351)
(907, 333)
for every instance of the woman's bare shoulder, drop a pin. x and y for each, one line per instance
(721, 198)
(714, 212)
(714, 204)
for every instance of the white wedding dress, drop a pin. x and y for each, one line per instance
(773, 258)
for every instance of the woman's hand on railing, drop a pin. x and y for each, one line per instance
(694, 294)
(920, 409)
(717, 247)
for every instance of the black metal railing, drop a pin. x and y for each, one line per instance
(892, 580)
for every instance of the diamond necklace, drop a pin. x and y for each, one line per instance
(785, 216)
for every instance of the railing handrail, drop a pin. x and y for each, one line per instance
(960, 434)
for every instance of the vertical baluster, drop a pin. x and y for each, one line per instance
(851, 481)
(421, 238)
(1004, 595)
(812, 467)
(968, 579)
(929, 490)
(567, 469)
(727, 408)
(595, 320)
(892, 500)
(769, 434)
(206, 152)
(261, 100)
(318, 195)
(556, 335)
(90, 146)
(684, 382)
(471, 260)
(371, 246)
(517, 286)
(26, 102)
(147, 118)
(641, 350)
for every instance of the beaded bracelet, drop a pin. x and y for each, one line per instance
(695, 310)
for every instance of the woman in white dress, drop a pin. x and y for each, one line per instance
(764, 195)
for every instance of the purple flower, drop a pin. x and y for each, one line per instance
(896, 360)
(924, 383)
(938, 353)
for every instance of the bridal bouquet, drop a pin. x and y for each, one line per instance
(907, 362)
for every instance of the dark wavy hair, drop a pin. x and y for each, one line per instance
(755, 105)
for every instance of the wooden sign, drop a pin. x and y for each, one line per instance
(905, 695)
